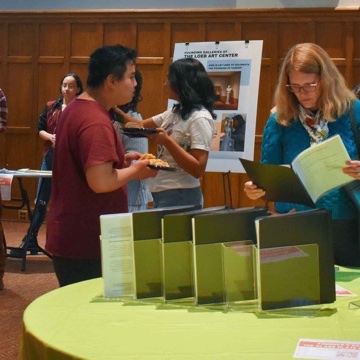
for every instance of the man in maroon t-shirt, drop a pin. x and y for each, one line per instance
(90, 169)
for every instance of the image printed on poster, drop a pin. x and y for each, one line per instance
(234, 67)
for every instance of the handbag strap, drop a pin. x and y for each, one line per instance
(354, 129)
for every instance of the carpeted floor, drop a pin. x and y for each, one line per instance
(21, 288)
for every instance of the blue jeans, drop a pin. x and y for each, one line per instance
(178, 197)
(42, 197)
(142, 207)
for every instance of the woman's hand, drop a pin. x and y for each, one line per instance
(48, 137)
(161, 137)
(252, 191)
(353, 168)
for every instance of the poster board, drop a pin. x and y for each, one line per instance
(234, 67)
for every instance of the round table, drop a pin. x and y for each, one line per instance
(75, 322)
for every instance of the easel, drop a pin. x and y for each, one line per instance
(227, 189)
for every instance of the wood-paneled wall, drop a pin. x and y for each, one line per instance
(38, 48)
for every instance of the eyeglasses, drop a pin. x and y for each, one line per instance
(306, 88)
(70, 86)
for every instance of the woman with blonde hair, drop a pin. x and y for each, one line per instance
(312, 104)
(311, 59)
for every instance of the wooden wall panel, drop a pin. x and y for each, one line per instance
(154, 78)
(338, 38)
(265, 31)
(355, 35)
(39, 47)
(51, 40)
(50, 76)
(186, 32)
(3, 46)
(356, 60)
(294, 32)
(265, 98)
(342, 68)
(85, 38)
(356, 76)
(15, 158)
(150, 40)
(19, 94)
(123, 33)
(21, 40)
(3, 84)
(80, 69)
(219, 31)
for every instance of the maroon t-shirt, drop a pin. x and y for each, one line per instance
(85, 136)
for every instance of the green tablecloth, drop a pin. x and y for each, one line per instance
(67, 324)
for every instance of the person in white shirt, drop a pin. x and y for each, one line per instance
(185, 134)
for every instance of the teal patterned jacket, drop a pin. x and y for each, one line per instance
(281, 144)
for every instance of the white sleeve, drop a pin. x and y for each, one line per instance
(160, 119)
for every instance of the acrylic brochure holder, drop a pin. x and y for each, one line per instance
(178, 259)
(147, 247)
(296, 248)
(239, 261)
(148, 250)
(132, 253)
(225, 273)
(219, 256)
(224, 255)
(298, 269)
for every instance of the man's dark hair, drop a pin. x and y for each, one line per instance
(109, 60)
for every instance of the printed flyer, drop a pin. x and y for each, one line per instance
(234, 67)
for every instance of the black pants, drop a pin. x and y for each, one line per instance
(70, 271)
(346, 242)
